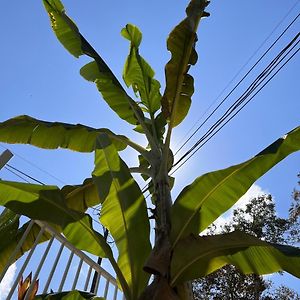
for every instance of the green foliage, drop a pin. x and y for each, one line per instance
(176, 100)
(53, 135)
(74, 295)
(212, 194)
(178, 253)
(258, 218)
(123, 212)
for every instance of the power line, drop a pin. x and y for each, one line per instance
(242, 79)
(230, 113)
(16, 174)
(25, 174)
(34, 165)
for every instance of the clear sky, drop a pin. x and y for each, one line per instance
(39, 78)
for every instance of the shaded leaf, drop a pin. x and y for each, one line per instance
(73, 295)
(9, 224)
(138, 73)
(37, 202)
(123, 213)
(113, 93)
(198, 256)
(47, 203)
(87, 240)
(211, 194)
(53, 135)
(9, 245)
(109, 86)
(77, 198)
(179, 89)
(81, 197)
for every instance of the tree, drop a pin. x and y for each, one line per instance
(294, 214)
(259, 219)
(179, 254)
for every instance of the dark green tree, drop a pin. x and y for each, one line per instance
(258, 218)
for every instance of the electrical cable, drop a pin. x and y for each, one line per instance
(256, 86)
(23, 173)
(240, 81)
(210, 133)
(34, 165)
(16, 174)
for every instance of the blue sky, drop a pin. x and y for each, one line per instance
(39, 78)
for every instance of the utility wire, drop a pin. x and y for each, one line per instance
(230, 113)
(16, 174)
(259, 83)
(23, 173)
(240, 81)
(35, 166)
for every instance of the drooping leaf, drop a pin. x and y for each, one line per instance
(9, 245)
(198, 256)
(53, 135)
(47, 203)
(113, 94)
(87, 240)
(211, 194)
(123, 212)
(36, 202)
(81, 197)
(179, 89)
(109, 86)
(9, 224)
(77, 198)
(138, 73)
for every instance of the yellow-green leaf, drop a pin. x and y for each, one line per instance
(198, 256)
(124, 213)
(211, 194)
(176, 100)
(53, 135)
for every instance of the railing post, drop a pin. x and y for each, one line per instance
(5, 157)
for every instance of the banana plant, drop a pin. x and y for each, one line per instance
(179, 253)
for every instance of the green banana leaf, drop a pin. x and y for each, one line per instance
(123, 213)
(9, 224)
(47, 203)
(198, 256)
(138, 73)
(113, 94)
(78, 198)
(112, 91)
(81, 197)
(9, 245)
(74, 295)
(37, 201)
(53, 135)
(212, 194)
(176, 100)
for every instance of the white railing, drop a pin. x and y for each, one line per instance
(59, 266)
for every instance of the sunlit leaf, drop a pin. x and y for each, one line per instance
(138, 73)
(109, 86)
(64, 28)
(198, 256)
(211, 194)
(37, 202)
(123, 212)
(179, 89)
(53, 135)
(113, 93)
(47, 203)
